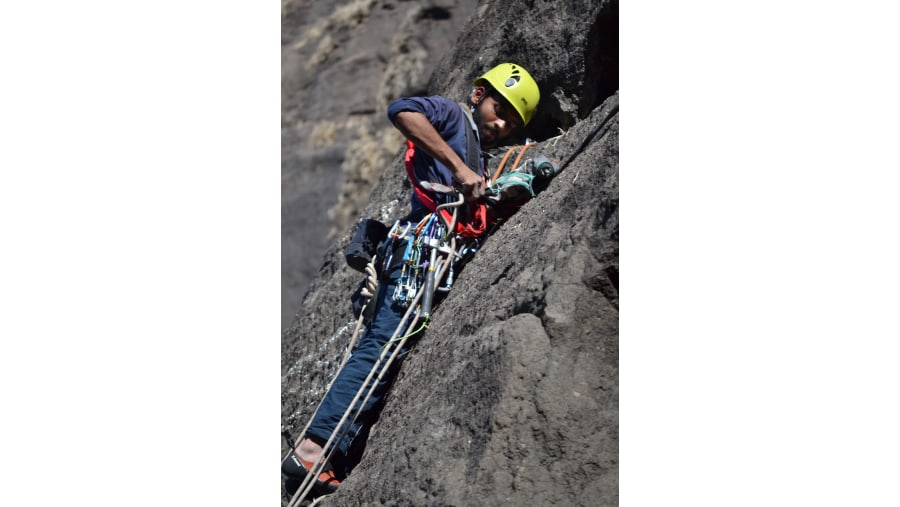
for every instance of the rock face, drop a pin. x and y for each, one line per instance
(511, 396)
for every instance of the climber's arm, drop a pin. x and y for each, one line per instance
(416, 127)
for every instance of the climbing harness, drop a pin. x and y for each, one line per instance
(430, 253)
(473, 225)
(472, 220)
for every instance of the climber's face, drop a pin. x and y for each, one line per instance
(493, 115)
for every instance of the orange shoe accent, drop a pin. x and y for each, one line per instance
(326, 479)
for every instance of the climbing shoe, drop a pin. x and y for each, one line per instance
(296, 468)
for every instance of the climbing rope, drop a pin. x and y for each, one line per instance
(341, 428)
(509, 152)
(354, 407)
(521, 153)
(368, 292)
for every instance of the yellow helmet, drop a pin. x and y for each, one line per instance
(517, 87)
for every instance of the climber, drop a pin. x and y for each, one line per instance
(503, 99)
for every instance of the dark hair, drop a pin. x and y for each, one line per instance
(492, 92)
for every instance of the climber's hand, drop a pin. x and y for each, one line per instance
(470, 183)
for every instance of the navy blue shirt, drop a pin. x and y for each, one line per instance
(450, 122)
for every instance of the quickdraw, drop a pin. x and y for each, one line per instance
(419, 258)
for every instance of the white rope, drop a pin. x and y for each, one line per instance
(328, 449)
(313, 475)
(353, 340)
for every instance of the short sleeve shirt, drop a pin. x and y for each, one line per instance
(450, 122)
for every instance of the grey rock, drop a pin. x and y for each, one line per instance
(511, 397)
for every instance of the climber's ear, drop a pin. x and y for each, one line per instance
(478, 94)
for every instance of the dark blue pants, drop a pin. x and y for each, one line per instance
(369, 347)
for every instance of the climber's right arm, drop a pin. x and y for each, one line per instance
(416, 127)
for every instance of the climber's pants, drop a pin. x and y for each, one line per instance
(362, 359)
